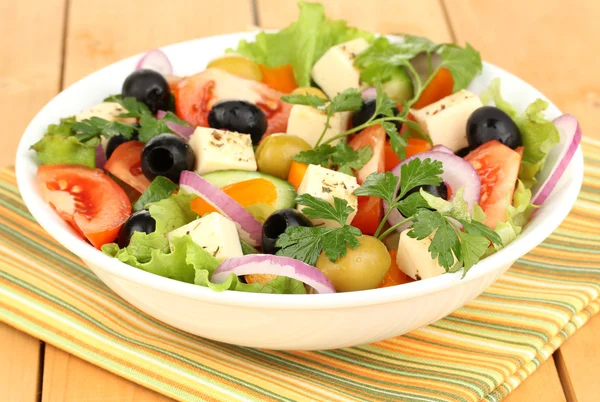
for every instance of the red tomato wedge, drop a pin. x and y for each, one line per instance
(197, 94)
(86, 198)
(370, 209)
(498, 169)
(125, 163)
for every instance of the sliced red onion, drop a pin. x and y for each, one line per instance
(100, 157)
(369, 93)
(267, 264)
(558, 158)
(249, 229)
(457, 174)
(442, 148)
(155, 60)
(184, 131)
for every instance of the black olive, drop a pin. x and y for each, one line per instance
(167, 155)
(140, 221)
(239, 116)
(489, 123)
(463, 152)
(366, 112)
(116, 140)
(437, 191)
(277, 223)
(149, 87)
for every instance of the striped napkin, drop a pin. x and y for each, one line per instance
(482, 351)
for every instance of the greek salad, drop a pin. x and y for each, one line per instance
(317, 159)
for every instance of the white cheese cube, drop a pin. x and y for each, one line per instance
(326, 184)
(108, 111)
(308, 123)
(221, 150)
(446, 119)
(414, 259)
(213, 232)
(335, 71)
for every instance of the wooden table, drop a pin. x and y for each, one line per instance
(47, 45)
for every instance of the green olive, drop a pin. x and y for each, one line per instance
(360, 269)
(237, 65)
(275, 153)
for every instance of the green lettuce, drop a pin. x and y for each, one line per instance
(279, 285)
(539, 135)
(302, 43)
(59, 145)
(173, 212)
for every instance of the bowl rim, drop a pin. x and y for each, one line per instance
(520, 246)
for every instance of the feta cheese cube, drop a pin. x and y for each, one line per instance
(107, 111)
(414, 259)
(308, 123)
(446, 119)
(326, 184)
(213, 232)
(221, 150)
(335, 71)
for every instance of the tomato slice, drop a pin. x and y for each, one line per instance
(196, 95)
(248, 192)
(498, 169)
(86, 198)
(125, 163)
(370, 209)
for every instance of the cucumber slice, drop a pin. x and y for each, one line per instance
(400, 87)
(286, 194)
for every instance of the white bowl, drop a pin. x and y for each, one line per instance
(293, 322)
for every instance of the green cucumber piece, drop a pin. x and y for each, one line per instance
(286, 194)
(159, 189)
(400, 87)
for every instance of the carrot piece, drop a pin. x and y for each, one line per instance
(394, 276)
(279, 78)
(297, 172)
(246, 193)
(415, 145)
(440, 86)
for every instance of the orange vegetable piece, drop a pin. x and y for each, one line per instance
(440, 86)
(280, 78)
(368, 215)
(394, 276)
(297, 172)
(415, 146)
(248, 192)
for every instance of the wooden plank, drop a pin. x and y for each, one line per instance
(527, 38)
(20, 367)
(384, 16)
(578, 362)
(542, 386)
(30, 50)
(68, 378)
(100, 34)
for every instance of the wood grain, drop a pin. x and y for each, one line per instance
(100, 35)
(541, 386)
(68, 378)
(30, 65)
(385, 16)
(578, 363)
(20, 365)
(548, 43)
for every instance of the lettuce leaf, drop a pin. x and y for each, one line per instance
(59, 145)
(539, 135)
(173, 212)
(279, 285)
(302, 43)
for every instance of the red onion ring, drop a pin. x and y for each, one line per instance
(267, 264)
(184, 131)
(442, 148)
(155, 60)
(369, 93)
(100, 156)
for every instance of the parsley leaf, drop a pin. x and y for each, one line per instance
(464, 64)
(419, 172)
(151, 127)
(380, 185)
(96, 126)
(349, 100)
(307, 243)
(479, 229)
(304, 99)
(134, 107)
(472, 248)
(318, 208)
(341, 157)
